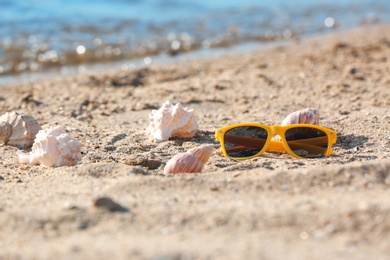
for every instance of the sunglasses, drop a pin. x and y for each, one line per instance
(249, 140)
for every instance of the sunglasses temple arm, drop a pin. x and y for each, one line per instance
(245, 141)
(311, 144)
(248, 142)
(307, 147)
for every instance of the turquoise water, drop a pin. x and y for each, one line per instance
(37, 35)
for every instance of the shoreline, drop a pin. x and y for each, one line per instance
(272, 206)
(164, 59)
(133, 64)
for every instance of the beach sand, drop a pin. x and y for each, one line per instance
(271, 207)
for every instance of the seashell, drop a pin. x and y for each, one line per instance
(5, 132)
(53, 147)
(18, 129)
(305, 116)
(171, 120)
(191, 161)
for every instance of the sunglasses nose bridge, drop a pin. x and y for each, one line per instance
(277, 130)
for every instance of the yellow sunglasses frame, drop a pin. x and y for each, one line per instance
(272, 145)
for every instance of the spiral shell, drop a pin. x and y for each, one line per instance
(18, 129)
(305, 116)
(5, 132)
(53, 147)
(169, 121)
(191, 161)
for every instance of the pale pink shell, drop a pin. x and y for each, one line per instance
(305, 116)
(191, 161)
(53, 147)
(169, 121)
(18, 129)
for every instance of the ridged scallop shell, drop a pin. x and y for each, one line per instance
(53, 147)
(18, 129)
(191, 161)
(304, 116)
(170, 121)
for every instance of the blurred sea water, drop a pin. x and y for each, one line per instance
(38, 35)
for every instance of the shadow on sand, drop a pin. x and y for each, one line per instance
(350, 141)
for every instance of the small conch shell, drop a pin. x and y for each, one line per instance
(305, 116)
(5, 132)
(53, 147)
(191, 161)
(18, 129)
(171, 120)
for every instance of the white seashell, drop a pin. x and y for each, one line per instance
(191, 161)
(53, 147)
(305, 116)
(18, 129)
(170, 121)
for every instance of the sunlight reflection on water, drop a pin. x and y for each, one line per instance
(36, 35)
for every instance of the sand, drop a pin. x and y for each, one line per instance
(117, 204)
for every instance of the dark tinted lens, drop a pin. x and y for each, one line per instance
(245, 141)
(307, 142)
